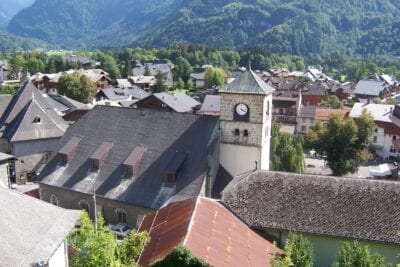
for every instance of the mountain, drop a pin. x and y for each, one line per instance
(285, 26)
(10, 42)
(8, 8)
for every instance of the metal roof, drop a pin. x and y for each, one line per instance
(248, 83)
(209, 230)
(370, 87)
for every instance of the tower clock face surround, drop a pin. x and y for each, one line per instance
(242, 109)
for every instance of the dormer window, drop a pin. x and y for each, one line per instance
(37, 120)
(100, 155)
(174, 167)
(132, 162)
(68, 150)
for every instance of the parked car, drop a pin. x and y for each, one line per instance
(120, 230)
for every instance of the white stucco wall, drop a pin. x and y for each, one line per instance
(60, 257)
(238, 159)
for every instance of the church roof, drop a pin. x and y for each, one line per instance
(248, 83)
(165, 135)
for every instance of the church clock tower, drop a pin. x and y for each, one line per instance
(246, 112)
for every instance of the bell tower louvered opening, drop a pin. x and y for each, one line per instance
(67, 152)
(100, 155)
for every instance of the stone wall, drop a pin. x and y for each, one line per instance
(71, 200)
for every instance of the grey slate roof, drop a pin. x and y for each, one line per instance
(31, 230)
(315, 90)
(162, 133)
(342, 207)
(211, 103)
(248, 83)
(370, 87)
(307, 111)
(116, 94)
(178, 102)
(17, 121)
(4, 101)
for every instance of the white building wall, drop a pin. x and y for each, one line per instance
(383, 144)
(237, 159)
(304, 124)
(60, 257)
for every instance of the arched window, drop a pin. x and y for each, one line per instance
(268, 107)
(83, 205)
(54, 200)
(121, 215)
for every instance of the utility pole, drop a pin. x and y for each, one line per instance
(95, 209)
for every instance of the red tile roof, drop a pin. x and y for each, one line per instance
(209, 230)
(323, 114)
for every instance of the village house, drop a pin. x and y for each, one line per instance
(6, 161)
(326, 210)
(4, 71)
(369, 89)
(154, 67)
(144, 82)
(309, 115)
(120, 97)
(164, 101)
(80, 61)
(29, 129)
(386, 137)
(33, 232)
(209, 230)
(64, 105)
(286, 101)
(48, 83)
(135, 160)
(197, 77)
(313, 94)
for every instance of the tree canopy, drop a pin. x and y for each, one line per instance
(353, 254)
(298, 252)
(214, 77)
(343, 141)
(77, 87)
(101, 248)
(181, 257)
(286, 151)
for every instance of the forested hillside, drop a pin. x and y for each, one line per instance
(8, 8)
(302, 27)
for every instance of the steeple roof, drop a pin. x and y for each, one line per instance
(248, 83)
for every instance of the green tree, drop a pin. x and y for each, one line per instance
(159, 86)
(108, 63)
(101, 248)
(189, 85)
(180, 84)
(146, 70)
(343, 141)
(181, 257)
(298, 252)
(16, 63)
(214, 77)
(286, 151)
(77, 87)
(182, 70)
(353, 254)
(331, 101)
(8, 90)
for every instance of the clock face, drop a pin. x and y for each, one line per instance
(242, 109)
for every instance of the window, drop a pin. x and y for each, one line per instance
(83, 205)
(246, 133)
(37, 120)
(121, 214)
(375, 140)
(237, 132)
(303, 128)
(54, 200)
(394, 137)
(376, 130)
(268, 108)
